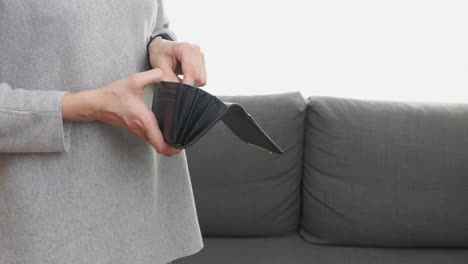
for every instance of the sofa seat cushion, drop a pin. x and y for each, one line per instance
(241, 190)
(389, 174)
(293, 249)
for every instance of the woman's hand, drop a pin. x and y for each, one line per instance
(176, 58)
(120, 103)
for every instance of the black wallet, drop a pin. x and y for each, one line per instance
(185, 113)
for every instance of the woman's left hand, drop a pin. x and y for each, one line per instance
(178, 58)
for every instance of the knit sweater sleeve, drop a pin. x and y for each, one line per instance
(161, 23)
(31, 121)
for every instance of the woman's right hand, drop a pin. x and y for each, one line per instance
(120, 103)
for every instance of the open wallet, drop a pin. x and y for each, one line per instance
(185, 113)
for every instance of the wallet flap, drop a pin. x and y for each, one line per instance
(244, 126)
(185, 113)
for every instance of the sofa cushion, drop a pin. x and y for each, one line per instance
(293, 250)
(240, 190)
(385, 173)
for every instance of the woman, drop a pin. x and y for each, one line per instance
(85, 175)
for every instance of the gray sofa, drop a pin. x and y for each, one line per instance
(359, 182)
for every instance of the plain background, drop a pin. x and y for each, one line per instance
(390, 50)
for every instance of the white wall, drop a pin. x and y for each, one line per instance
(375, 49)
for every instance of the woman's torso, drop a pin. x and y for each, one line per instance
(110, 198)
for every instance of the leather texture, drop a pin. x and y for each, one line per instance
(185, 113)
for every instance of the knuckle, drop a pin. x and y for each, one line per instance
(166, 153)
(196, 48)
(162, 149)
(187, 46)
(158, 149)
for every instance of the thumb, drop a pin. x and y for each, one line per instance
(151, 76)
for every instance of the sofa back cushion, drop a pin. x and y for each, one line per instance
(240, 190)
(390, 174)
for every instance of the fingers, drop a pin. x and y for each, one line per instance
(192, 63)
(182, 58)
(169, 75)
(156, 139)
(148, 77)
(203, 76)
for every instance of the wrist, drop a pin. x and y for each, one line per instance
(155, 41)
(81, 106)
(153, 46)
(160, 36)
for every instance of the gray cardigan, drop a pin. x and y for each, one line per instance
(83, 192)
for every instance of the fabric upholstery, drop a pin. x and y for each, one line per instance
(244, 191)
(293, 250)
(390, 174)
